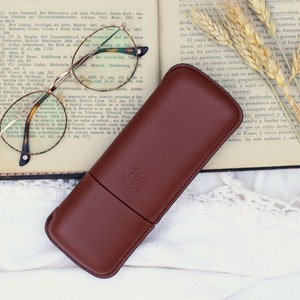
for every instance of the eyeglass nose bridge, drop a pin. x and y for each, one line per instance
(58, 80)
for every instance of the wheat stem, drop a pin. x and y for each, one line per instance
(287, 113)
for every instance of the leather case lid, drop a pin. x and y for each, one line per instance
(179, 128)
(95, 229)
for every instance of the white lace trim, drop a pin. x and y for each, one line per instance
(234, 201)
(61, 184)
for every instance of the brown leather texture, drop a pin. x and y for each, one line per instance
(179, 128)
(95, 229)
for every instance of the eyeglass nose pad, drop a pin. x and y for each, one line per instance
(82, 80)
(61, 100)
(124, 25)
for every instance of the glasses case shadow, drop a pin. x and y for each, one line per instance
(128, 190)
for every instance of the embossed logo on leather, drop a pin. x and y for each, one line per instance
(135, 179)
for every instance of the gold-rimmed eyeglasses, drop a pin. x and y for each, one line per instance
(104, 61)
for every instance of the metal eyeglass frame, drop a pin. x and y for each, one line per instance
(25, 152)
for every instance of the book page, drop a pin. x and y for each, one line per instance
(38, 41)
(265, 138)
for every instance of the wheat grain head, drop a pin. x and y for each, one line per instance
(252, 49)
(296, 64)
(262, 11)
(213, 29)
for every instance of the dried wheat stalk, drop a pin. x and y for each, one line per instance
(296, 64)
(235, 29)
(213, 29)
(262, 10)
(247, 41)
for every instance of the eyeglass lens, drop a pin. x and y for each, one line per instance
(112, 59)
(47, 123)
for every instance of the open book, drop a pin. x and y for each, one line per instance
(38, 42)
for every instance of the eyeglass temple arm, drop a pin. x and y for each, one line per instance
(138, 51)
(143, 50)
(25, 153)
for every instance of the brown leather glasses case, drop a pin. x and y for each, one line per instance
(119, 201)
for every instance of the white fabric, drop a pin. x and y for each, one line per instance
(229, 236)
